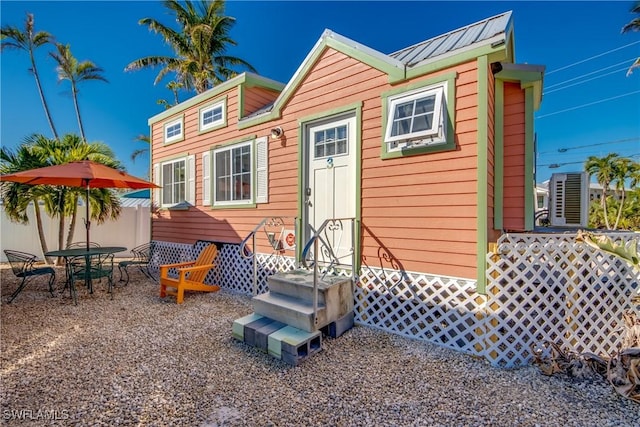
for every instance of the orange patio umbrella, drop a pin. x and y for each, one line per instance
(85, 174)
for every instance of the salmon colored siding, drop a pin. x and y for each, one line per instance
(492, 233)
(514, 155)
(419, 213)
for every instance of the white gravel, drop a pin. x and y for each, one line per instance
(141, 361)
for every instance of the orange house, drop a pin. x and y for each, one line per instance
(430, 149)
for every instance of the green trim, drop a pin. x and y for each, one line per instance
(173, 119)
(527, 79)
(226, 145)
(529, 158)
(328, 113)
(246, 205)
(233, 142)
(395, 73)
(222, 100)
(497, 54)
(356, 108)
(450, 103)
(483, 152)
(244, 78)
(498, 167)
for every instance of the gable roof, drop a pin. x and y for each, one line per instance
(489, 31)
(484, 37)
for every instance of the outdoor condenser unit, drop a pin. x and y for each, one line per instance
(569, 199)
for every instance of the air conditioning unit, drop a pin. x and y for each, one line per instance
(569, 199)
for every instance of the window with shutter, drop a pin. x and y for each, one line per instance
(262, 170)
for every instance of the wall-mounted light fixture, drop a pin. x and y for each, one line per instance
(276, 132)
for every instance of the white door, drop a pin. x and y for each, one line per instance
(330, 191)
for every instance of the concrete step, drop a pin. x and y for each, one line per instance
(287, 343)
(289, 310)
(299, 284)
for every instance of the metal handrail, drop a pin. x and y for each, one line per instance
(328, 250)
(274, 221)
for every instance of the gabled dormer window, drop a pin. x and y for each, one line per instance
(212, 116)
(417, 117)
(174, 130)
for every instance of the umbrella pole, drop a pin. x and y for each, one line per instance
(88, 220)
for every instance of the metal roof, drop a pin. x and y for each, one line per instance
(482, 32)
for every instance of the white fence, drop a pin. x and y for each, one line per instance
(132, 228)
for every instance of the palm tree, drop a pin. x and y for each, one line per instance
(604, 169)
(63, 202)
(625, 170)
(141, 151)
(29, 41)
(76, 72)
(200, 60)
(17, 197)
(633, 25)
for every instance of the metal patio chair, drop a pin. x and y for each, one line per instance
(141, 258)
(22, 265)
(98, 267)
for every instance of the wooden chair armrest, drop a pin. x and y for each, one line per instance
(183, 271)
(164, 269)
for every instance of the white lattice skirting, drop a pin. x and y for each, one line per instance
(539, 287)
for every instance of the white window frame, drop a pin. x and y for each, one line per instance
(209, 108)
(177, 137)
(435, 135)
(252, 167)
(184, 160)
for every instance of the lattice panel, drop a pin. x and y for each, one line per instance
(548, 287)
(232, 271)
(444, 310)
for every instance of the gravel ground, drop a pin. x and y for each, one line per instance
(141, 361)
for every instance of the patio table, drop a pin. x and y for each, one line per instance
(87, 253)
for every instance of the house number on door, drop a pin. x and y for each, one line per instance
(329, 162)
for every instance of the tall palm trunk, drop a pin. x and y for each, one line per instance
(604, 206)
(42, 98)
(43, 240)
(72, 223)
(77, 107)
(622, 194)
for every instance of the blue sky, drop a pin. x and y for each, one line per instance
(589, 107)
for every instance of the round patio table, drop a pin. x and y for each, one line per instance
(67, 254)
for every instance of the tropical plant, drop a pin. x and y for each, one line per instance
(604, 169)
(200, 45)
(17, 197)
(76, 72)
(174, 87)
(28, 41)
(141, 151)
(633, 25)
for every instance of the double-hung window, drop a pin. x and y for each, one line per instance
(233, 174)
(174, 131)
(417, 118)
(174, 182)
(212, 116)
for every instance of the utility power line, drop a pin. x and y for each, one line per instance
(585, 81)
(588, 104)
(617, 141)
(593, 72)
(592, 57)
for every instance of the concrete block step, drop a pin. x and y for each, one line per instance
(299, 284)
(293, 345)
(281, 341)
(290, 310)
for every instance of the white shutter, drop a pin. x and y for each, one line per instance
(206, 178)
(191, 180)
(262, 170)
(156, 181)
(569, 199)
